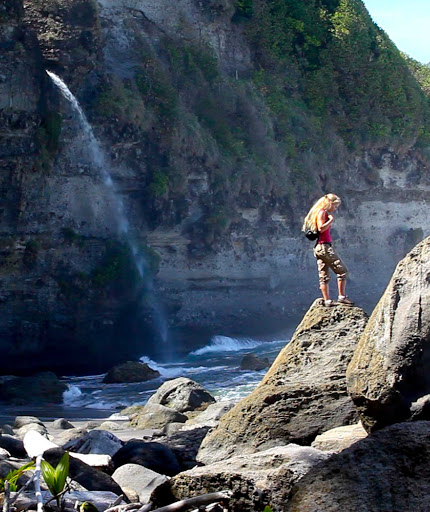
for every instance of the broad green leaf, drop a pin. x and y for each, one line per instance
(62, 471)
(48, 473)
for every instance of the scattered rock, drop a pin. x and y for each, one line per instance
(36, 444)
(139, 479)
(182, 395)
(389, 369)
(337, 439)
(152, 455)
(131, 371)
(21, 421)
(62, 424)
(210, 417)
(252, 362)
(255, 480)
(69, 435)
(302, 395)
(36, 427)
(4, 454)
(95, 442)
(13, 445)
(7, 429)
(110, 426)
(386, 471)
(185, 445)
(154, 416)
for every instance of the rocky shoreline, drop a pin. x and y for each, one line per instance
(339, 422)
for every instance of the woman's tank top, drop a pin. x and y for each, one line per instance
(325, 237)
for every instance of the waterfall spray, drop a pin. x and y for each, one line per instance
(98, 158)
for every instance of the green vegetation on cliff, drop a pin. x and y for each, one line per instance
(325, 84)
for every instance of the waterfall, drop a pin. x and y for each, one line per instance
(97, 156)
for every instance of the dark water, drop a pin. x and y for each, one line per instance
(215, 366)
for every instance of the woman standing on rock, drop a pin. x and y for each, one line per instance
(320, 218)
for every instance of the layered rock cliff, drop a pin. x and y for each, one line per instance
(221, 124)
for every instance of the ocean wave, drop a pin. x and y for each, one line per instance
(226, 344)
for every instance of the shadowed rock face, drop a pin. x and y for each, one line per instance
(303, 393)
(387, 471)
(389, 369)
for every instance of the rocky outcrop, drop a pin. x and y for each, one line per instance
(389, 369)
(43, 387)
(252, 362)
(257, 480)
(131, 371)
(387, 471)
(303, 393)
(182, 395)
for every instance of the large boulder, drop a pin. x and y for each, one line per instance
(131, 371)
(389, 369)
(389, 470)
(255, 480)
(182, 395)
(302, 395)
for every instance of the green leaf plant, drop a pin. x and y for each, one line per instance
(55, 478)
(13, 476)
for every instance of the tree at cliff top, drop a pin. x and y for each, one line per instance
(325, 85)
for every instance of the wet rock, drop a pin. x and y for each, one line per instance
(182, 395)
(152, 455)
(302, 395)
(252, 362)
(386, 471)
(389, 369)
(131, 371)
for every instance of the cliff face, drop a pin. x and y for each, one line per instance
(220, 125)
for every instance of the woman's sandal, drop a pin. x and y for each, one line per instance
(329, 303)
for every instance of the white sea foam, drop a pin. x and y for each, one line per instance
(166, 371)
(226, 344)
(71, 394)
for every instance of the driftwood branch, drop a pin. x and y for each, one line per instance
(125, 508)
(197, 501)
(6, 501)
(37, 473)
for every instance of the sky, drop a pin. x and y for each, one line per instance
(407, 23)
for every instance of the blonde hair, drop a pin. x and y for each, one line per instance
(323, 202)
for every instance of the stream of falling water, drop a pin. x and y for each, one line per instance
(98, 158)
